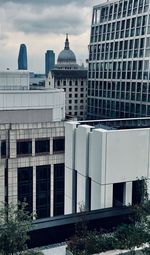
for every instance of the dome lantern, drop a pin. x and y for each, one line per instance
(66, 55)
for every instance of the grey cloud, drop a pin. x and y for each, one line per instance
(51, 26)
(48, 2)
(71, 19)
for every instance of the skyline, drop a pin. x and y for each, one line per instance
(21, 23)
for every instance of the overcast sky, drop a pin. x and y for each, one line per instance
(42, 25)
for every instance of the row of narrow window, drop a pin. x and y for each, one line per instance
(119, 10)
(43, 189)
(41, 146)
(24, 147)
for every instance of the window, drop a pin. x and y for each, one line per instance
(43, 191)
(3, 149)
(118, 189)
(58, 189)
(25, 186)
(24, 147)
(58, 144)
(42, 146)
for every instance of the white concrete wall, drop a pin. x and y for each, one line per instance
(81, 162)
(10, 80)
(69, 164)
(32, 132)
(31, 100)
(127, 155)
(107, 157)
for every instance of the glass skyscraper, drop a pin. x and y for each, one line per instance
(119, 60)
(49, 61)
(22, 58)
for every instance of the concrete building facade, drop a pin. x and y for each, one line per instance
(104, 161)
(32, 148)
(119, 55)
(32, 166)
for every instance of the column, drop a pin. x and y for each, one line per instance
(127, 193)
(108, 195)
(2, 185)
(12, 184)
(33, 147)
(34, 189)
(51, 146)
(52, 191)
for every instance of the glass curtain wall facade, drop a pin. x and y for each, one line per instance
(119, 60)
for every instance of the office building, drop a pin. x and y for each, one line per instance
(103, 161)
(119, 55)
(71, 77)
(32, 148)
(22, 58)
(49, 61)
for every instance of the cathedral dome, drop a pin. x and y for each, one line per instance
(66, 55)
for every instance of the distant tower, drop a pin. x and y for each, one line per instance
(22, 58)
(49, 61)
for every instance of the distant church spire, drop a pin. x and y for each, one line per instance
(67, 43)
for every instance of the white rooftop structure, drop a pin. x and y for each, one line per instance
(14, 80)
(18, 104)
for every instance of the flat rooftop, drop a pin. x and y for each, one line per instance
(116, 124)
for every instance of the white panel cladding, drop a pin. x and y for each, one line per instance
(115, 156)
(68, 191)
(34, 189)
(81, 191)
(52, 191)
(69, 164)
(29, 116)
(14, 80)
(97, 199)
(127, 199)
(97, 150)
(108, 195)
(127, 155)
(29, 100)
(82, 149)
(81, 162)
(69, 143)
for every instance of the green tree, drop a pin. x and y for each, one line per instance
(15, 223)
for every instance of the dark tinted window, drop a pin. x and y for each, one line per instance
(58, 189)
(42, 146)
(43, 191)
(25, 186)
(58, 144)
(3, 149)
(24, 147)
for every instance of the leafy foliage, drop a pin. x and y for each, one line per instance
(125, 236)
(15, 223)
